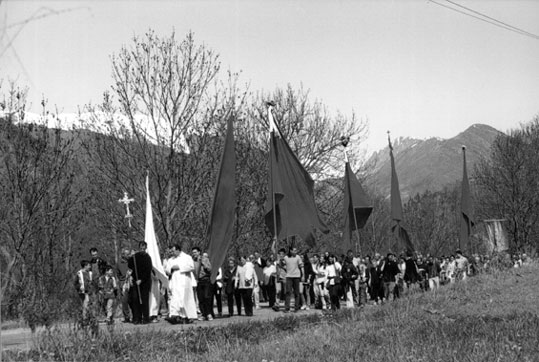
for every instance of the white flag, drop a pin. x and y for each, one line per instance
(272, 125)
(151, 240)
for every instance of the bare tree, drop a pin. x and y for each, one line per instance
(167, 98)
(432, 217)
(508, 186)
(40, 197)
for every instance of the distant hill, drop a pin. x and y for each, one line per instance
(429, 164)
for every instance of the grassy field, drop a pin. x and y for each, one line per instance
(492, 317)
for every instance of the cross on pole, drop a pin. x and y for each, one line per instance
(126, 201)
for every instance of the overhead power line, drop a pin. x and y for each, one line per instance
(495, 20)
(480, 16)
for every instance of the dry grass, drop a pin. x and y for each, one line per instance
(491, 317)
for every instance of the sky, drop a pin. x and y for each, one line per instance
(412, 67)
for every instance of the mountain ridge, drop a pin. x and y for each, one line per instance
(429, 164)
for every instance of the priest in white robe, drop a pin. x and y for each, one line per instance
(182, 308)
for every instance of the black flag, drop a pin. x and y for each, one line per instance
(290, 203)
(466, 208)
(357, 208)
(396, 206)
(221, 224)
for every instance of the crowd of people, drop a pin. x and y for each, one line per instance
(288, 282)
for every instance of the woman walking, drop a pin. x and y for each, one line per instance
(334, 281)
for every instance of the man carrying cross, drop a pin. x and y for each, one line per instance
(141, 265)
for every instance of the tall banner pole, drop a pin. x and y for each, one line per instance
(270, 106)
(275, 239)
(126, 201)
(1, 300)
(357, 234)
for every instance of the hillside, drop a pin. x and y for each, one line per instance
(429, 164)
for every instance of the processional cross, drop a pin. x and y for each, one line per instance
(126, 201)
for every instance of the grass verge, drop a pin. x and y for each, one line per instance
(492, 317)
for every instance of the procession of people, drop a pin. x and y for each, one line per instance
(287, 282)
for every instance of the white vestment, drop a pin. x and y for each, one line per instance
(155, 297)
(182, 298)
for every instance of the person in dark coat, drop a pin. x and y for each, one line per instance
(229, 279)
(411, 276)
(98, 266)
(141, 264)
(375, 283)
(349, 276)
(390, 270)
